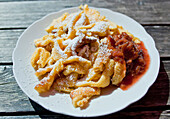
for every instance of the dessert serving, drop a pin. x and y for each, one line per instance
(84, 52)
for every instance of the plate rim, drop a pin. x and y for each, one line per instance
(102, 9)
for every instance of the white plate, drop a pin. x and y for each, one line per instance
(113, 100)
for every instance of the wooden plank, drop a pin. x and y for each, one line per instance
(165, 114)
(23, 117)
(22, 0)
(119, 115)
(8, 39)
(14, 100)
(22, 14)
(161, 35)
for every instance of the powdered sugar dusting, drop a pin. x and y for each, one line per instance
(72, 23)
(82, 20)
(100, 27)
(79, 58)
(67, 42)
(59, 50)
(46, 68)
(92, 38)
(76, 42)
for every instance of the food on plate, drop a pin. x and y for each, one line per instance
(84, 52)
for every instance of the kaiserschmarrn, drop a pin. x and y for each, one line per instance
(83, 53)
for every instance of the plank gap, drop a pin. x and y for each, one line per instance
(6, 63)
(158, 24)
(164, 58)
(13, 28)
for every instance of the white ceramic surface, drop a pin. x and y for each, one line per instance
(111, 100)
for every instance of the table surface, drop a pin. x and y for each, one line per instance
(17, 15)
